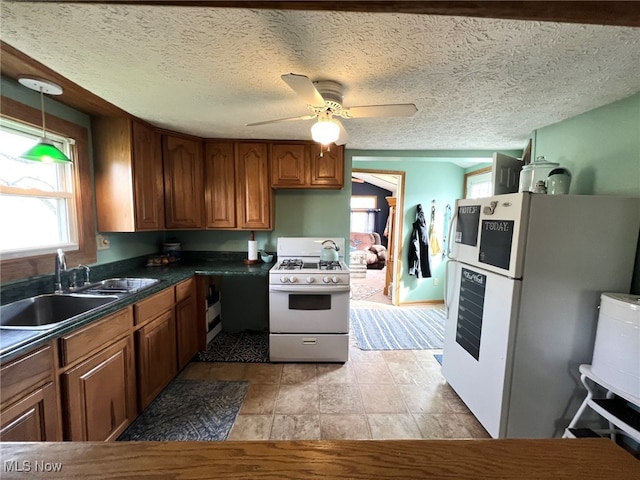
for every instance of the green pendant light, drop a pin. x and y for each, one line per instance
(44, 151)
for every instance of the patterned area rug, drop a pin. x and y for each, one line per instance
(237, 347)
(398, 328)
(189, 410)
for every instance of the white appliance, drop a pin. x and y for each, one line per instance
(522, 289)
(308, 303)
(616, 354)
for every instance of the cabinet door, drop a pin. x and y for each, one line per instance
(100, 394)
(188, 325)
(147, 175)
(183, 182)
(156, 355)
(32, 419)
(254, 194)
(327, 168)
(289, 165)
(220, 188)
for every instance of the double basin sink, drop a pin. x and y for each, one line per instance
(44, 312)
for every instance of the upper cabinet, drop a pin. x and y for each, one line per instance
(327, 166)
(237, 191)
(220, 184)
(128, 175)
(183, 182)
(254, 197)
(304, 165)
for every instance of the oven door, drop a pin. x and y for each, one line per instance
(308, 309)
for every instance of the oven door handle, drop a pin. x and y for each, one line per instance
(309, 288)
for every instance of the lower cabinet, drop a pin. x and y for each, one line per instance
(100, 394)
(91, 383)
(32, 419)
(188, 325)
(29, 400)
(156, 356)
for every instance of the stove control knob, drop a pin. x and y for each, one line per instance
(284, 279)
(310, 279)
(293, 279)
(335, 280)
(326, 279)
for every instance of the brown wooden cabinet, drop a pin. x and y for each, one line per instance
(220, 185)
(238, 195)
(304, 165)
(128, 175)
(183, 182)
(29, 411)
(289, 165)
(155, 350)
(326, 167)
(254, 204)
(98, 380)
(188, 323)
(100, 394)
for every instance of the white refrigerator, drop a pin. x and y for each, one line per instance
(523, 282)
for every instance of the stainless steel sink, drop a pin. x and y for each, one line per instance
(45, 312)
(116, 286)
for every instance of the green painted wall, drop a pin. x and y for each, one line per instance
(424, 181)
(601, 148)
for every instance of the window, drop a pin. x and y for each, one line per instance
(43, 207)
(363, 213)
(478, 184)
(36, 199)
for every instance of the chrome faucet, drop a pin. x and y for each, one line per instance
(61, 266)
(87, 272)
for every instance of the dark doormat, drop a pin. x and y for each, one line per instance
(247, 346)
(189, 410)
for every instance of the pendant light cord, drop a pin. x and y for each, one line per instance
(44, 130)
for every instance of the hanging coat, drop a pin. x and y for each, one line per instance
(419, 247)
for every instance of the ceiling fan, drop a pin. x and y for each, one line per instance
(324, 99)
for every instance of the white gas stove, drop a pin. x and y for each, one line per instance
(308, 303)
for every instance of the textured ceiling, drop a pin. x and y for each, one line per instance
(477, 83)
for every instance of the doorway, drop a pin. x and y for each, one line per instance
(376, 216)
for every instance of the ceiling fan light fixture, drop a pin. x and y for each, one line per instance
(44, 151)
(325, 131)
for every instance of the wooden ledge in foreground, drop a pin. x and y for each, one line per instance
(367, 459)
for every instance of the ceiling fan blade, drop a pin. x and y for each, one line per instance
(302, 117)
(343, 137)
(396, 110)
(304, 88)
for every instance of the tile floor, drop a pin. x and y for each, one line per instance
(396, 394)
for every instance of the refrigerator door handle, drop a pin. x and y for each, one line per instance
(450, 239)
(448, 292)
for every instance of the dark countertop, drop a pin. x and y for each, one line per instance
(14, 343)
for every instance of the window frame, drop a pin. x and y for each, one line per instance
(467, 176)
(24, 267)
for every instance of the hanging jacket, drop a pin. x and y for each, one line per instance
(419, 247)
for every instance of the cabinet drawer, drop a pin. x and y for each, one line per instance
(153, 306)
(184, 290)
(22, 375)
(80, 343)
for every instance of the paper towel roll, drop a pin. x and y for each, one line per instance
(253, 250)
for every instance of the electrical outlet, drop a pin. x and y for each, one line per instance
(436, 281)
(102, 242)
